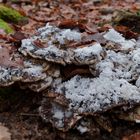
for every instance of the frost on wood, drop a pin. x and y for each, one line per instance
(116, 37)
(52, 72)
(90, 95)
(28, 74)
(28, 70)
(111, 67)
(52, 44)
(47, 56)
(40, 85)
(71, 100)
(98, 94)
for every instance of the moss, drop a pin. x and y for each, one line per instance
(129, 19)
(14, 0)
(11, 15)
(5, 26)
(138, 13)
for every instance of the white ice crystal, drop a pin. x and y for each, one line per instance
(136, 56)
(116, 37)
(94, 50)
(59, 115)
(112, 85)
(68, 34)
(82, 129)
(57, 50)
(97, 94)
(35, 70)
(9, 75)
(50, 50)
(46, 30)
(117, 65)
(3, 73)
(138, 82)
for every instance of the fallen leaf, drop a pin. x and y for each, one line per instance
(39, 44)
(5, 58)
(18, 36)
(135, 136)
(4, 133)
(126, 32)
(79, 24)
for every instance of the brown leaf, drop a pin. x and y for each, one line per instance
(6, 37)
(135, 136)
(98, 37)
(126, 32)
(104, 28)
(18, 36)
(5, 59)
(71, 24)
(89, 39)
(39, 44)
(72, 70)
(4, 133)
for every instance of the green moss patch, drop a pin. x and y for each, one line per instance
(11, 15)
(5, 26)
(129, 19)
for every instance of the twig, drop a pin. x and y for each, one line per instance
(27, 114)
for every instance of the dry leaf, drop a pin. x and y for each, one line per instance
(4, 133)
(135, 136)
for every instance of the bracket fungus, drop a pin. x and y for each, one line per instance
(114, 81)
(52, 44)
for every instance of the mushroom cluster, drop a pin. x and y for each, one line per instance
(77, 78)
